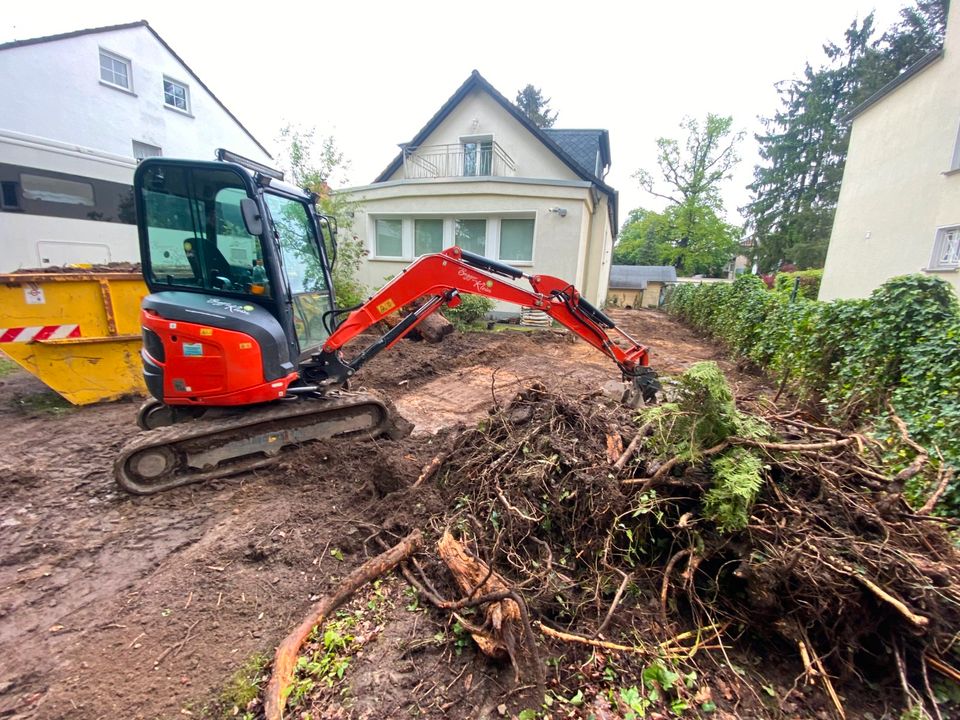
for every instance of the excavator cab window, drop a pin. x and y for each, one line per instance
(303, 267)
(196, 235)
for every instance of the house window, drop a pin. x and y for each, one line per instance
(176, 95)
(477, 156)
(427, 236)
(114, 70)
(471, 235)
(516, 240)
(389, 242)
(946, 249)
(955, 161)
(143, 150)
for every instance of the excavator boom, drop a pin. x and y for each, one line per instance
(442, 277)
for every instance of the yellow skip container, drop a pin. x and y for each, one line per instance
(78, 332)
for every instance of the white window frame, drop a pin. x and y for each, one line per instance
(477, 140)
(940, 243)
(489, 239)
(955, 160)
(443, 232)
(123, 61)
(186, 95)
(407, 230)
(404, 255)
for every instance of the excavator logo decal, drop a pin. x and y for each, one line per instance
(230, 307)
(479, 285)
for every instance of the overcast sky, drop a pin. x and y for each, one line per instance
(372, 73)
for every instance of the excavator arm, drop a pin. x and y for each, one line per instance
(441, 278)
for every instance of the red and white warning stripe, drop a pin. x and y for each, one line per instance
(38, 332)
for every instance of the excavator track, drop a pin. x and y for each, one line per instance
(215, 447)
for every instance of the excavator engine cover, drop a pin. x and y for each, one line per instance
(207, 350)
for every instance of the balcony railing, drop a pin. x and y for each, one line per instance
(466, 160)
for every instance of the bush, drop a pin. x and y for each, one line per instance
(901, 345)
(809, 283)
(348, 290)
(471, 309)
(702, 415)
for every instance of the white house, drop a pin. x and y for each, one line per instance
(899, 205)
(77, 110)
(480, 175)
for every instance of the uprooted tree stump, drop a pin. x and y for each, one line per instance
(742, 518)
(498, 635)
(433, 328)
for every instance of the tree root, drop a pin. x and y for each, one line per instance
(285, 660)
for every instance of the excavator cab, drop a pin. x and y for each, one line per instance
(238, 264)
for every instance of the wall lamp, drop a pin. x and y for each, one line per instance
(562, 212)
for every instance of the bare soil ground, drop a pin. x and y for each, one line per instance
(114, 606)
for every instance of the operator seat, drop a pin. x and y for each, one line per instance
(213, 260)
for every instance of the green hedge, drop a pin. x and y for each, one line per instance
(902, 345)
(809, 283)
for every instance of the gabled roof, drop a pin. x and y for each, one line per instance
(899, 80)
(128, 26)
(584, 147)
(477, 82)
(636, 277)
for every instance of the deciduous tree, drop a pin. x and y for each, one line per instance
(691, 233)
(315, 169)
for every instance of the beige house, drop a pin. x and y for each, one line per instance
(482, 176)
(899, 206)
(635, 286)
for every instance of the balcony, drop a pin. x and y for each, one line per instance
(480, 159)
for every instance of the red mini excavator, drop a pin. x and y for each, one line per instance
(243, 341)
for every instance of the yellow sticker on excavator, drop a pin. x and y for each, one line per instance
(386, 306)
(206, 331)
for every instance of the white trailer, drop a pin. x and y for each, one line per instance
(63, 204)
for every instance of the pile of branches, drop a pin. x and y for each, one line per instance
(770, 523)
(533, 488)
(574, 516)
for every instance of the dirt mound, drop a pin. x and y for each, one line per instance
(774, 543)
(113, 267)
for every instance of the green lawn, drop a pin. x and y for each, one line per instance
(7, 365)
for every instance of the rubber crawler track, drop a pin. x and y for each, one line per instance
(192, 435)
